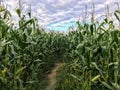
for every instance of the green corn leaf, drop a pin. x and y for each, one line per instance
(18, 11)
(96, 66)
(75, 77)
(116, 86)
(31, 82)
(2, 8)
(95, 78)
(91, 29)
(5, 15)
(107, 85)
(26, 23)
(116, 15)
(12, 50)
(19, 71)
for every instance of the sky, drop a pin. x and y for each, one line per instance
(61, 14)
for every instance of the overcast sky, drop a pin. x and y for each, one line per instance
(60, 14)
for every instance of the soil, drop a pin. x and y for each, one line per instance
(51, 77)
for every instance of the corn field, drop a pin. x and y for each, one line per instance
(93, 58)
(91, 54)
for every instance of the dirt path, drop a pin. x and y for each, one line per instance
(52, 76)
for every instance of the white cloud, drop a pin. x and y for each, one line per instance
(61, 3)
(59, 11)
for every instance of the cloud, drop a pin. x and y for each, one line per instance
(55, 12)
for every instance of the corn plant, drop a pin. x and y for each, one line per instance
(94, 58)
(27, 52)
